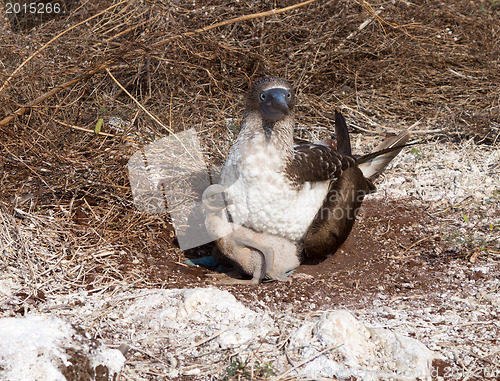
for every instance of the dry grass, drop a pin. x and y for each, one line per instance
(67, 216)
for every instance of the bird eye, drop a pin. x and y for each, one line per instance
(288, 95)
(262, 96)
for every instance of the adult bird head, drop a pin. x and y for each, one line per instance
(272, 98)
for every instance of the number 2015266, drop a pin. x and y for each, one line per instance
(32, 8)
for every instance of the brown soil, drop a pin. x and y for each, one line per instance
(379, 255)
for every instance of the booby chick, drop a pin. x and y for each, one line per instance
(281, 189)
(257, 254)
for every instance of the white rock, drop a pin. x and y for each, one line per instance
(158, 309)
(235, 337)
(409, 357)
(198, 303)
(340, 327)
(352, 350)
(193, 372)
(48, 348)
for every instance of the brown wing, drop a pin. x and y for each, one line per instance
(317, 162)
(334, 221)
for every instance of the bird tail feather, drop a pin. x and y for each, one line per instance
(343, 140)
(373, 164)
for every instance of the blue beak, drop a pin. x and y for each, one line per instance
(275, 105)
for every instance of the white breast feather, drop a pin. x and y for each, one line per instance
(263, 198)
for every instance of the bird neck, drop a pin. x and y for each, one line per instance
(274, 135)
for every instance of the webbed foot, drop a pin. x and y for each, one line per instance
(278, 277)
(223, 278)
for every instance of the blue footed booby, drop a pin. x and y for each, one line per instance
(308, 193)
(257, 254)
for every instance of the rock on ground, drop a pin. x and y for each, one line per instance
(208, 323)
(48, 348)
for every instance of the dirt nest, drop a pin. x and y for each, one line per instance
(137, 71)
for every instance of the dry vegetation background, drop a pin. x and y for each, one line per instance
(67, 219)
